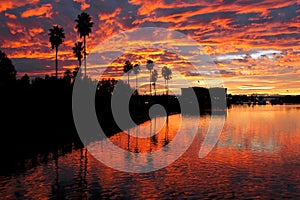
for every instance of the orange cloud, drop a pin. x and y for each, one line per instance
(15, 28)
(109, 16)
(5, 5)
(34, 31)
(10, 16)
(44, 11)
(84, 5)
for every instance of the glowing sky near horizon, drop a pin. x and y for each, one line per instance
(254, 44)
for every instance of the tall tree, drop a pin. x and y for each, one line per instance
(84, 28)
(166, 73)
(127, 69)
(78, 52)
(150, 66)
(136, 70)
(68, 75)
(7, 69)
(154, 76)
(56, 38)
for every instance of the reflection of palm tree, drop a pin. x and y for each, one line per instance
(128, 140)
(166, 73)
(84, 28)
(166, 140)
(150, 66)
(150, 135)
(78, 51)
(136, 70)
(136, 149)
(154, 137)
(81, 173)
(154, 76)
(85, 172)
(82, 182)
(56, 38)
(57, 186)
(127, 69)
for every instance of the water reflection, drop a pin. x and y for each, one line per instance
(257, 156)
(133, 143)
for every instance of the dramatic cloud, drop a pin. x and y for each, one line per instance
(5, 5)
(254, 44)
(83, 3)
(44, 10)
(11, 16)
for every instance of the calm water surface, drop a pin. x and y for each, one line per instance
(257, 156)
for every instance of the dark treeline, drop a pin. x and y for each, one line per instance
(36, 115)
(255, 99)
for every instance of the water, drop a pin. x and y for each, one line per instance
(257, 156)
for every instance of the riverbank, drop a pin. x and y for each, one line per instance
(39, 121)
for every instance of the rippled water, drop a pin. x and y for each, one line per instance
(257, 156)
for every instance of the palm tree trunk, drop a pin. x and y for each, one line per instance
(84, 44)
(56, 62)
(150, 83)
(79, 63)
(136, 84)
(128, 79)
(167, 87)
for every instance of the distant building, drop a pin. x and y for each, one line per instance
(206, 98)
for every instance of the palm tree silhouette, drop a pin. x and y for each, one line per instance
(150, 66)
(78, 50)
(127, 67)
(56, 38)
(166, 73)
(84, 28)
(154, 76)
(136, 70)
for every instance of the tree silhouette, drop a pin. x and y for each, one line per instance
(154, 76)
(136, 70)
(78, 50)
(150, 66)
(56, 38)
(127, 67)
(84, 28)
(7, 69)
(166, 73)
(25, 81)
(68, 75)
(76, 72)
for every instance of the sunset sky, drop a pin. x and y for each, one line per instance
(254, 44)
